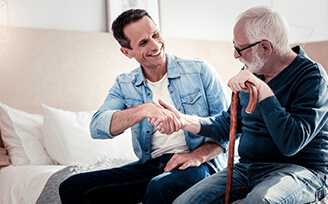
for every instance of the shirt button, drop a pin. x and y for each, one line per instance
(171, 91)
(179, 109)
(191, 100)
(147, 131)
(148, 94)
(131, 106)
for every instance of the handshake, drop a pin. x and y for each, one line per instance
(168, 119)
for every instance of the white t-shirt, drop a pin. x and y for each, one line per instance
(162, 143)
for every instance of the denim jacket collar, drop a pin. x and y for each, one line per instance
(172, 70)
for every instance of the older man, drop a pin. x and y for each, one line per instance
(284, 143)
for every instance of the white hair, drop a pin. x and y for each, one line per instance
(264, 23)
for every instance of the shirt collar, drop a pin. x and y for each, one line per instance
(172, 70)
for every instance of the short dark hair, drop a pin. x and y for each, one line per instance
(124, 19)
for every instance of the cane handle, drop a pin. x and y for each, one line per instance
(252, 97)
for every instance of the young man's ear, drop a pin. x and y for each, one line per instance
(126, 52)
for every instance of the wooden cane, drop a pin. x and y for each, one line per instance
(233, 128)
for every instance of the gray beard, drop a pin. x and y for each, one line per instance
(256, 65)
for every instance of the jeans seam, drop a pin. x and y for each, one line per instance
(301, 187)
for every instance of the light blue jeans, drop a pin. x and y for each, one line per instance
(260, 183)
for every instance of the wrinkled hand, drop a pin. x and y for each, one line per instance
(167, 125)
(237, 82)
(183, 161)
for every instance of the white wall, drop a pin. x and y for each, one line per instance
(214, 19)
(191, 19)
(77, 15)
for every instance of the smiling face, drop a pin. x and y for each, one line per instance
(146, 43)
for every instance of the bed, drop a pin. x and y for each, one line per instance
(51, 82)
(45, 149)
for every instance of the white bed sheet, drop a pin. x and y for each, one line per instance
(23, 184)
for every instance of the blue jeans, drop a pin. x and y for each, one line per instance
(132, 183)
(260, 183)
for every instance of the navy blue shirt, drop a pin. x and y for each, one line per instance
(289, 127)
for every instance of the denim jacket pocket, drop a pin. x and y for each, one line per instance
(194, 103)
(129, 102)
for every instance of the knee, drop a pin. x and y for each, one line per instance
(159, 190)
(158, 186)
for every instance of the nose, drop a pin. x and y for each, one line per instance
(235, 54)
(154, 44)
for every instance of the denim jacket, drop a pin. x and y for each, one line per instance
(195, 88)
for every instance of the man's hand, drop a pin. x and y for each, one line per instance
(164, 118)
(126, 118)
(186, 122)
(202, 154)
(182, 161)
(237, 83)
(167, 125)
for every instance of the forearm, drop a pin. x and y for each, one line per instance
(124, 119)
(191, 123)
(285, 128)
(207, 151)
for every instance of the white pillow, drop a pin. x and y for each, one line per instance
(22, 136)
(68, 141)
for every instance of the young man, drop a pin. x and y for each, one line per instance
(283, 145)
(169, 163)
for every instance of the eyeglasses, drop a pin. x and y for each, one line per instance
(244, 48)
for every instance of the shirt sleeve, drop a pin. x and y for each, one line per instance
(294, 126)
(216, 92)
(293, 129)
(101, 120)
(216, 95)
